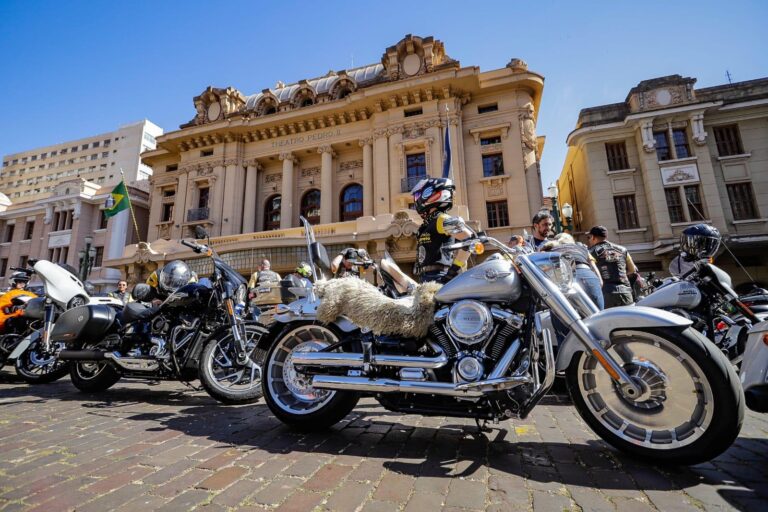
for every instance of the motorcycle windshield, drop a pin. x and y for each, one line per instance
(60, 285)
(228, 273)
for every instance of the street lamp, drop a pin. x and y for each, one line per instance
(568, 214)
(87, 257)
(555, 213)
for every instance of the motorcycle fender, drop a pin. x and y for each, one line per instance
(602, 324)
(754, 366)
(24, 345)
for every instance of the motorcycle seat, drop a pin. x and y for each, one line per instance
(364, 305)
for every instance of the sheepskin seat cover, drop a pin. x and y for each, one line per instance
(366, 306)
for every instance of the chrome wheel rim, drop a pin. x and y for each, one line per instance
(290, 390)
(89, 370)
(230, 376)
(40, 364)
(675, 405)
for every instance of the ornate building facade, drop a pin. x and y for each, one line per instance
(56, 228)
(344, 150)
(670, 156)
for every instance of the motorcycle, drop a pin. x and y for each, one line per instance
(196, 332)
(704, 294)
(30, 343)
(641, 378)
(754, 368)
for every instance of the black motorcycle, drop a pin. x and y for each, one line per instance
(196, 332)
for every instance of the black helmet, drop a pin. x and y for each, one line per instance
(173, 276)
(433, 193)
(700, 241)
(18, 277)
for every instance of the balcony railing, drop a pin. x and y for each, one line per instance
(407, 184)
(195, 214)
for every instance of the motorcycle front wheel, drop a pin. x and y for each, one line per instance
(289, 394)
(36, 367)
(691, 405)
(224, 377)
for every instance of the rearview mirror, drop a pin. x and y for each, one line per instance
(201, 233)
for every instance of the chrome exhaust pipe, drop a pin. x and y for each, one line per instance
(134, 364)
(351, 360)
(466, 390)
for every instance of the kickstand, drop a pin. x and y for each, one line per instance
(484, 427)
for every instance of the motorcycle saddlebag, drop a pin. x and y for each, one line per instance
(90, 322)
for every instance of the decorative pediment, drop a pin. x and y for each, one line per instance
(663, 92)
(215, 104)
(414, 56)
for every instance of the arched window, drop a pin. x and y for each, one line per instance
(351, 202)
(310, 206)
(307, 102)
(270, 110)
(344, 92)
(272, 213)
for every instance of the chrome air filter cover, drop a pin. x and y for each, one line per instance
(469, 322)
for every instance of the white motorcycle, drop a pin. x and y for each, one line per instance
(35, 353)
(641, 378)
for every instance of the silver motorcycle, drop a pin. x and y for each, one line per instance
(641, 378)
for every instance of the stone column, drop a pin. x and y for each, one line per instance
(381, 172)
(367, 176)
(713, 206)
(250, 203)
(180, 206)
(286, 200)
(396, 168)
(217, 208)
(326, 184)
(155, 209)
(232, 213)
(530, 161)
(654, 188)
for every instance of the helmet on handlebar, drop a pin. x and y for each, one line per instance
(303, 270)
(700, 241)
(18, 277)
(173, 276)
(432, 193)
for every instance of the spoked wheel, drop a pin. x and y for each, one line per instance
(289, 394)
(690, 407)
(93, 376)
(38, 367)
(228, 379)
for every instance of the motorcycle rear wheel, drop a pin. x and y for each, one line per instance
(226, 380)
(288, 394)
(691, 406)
(93, 376)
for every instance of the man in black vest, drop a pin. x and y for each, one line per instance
(614, 263)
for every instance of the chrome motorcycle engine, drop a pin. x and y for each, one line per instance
(469, 322)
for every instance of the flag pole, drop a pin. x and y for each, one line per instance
(130, 206)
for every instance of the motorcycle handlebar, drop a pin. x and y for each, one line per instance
(195, 247)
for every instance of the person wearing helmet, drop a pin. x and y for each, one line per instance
(696, 243)
(169, 278)
(303, 272)
(434, 261)
(18, 282)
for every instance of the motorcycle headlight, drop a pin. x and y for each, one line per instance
(559, 270)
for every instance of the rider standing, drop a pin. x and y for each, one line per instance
(434, 261)
(614, 263)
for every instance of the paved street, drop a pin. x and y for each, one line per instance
(139, 447)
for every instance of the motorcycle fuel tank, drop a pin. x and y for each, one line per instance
(680, 294)
(492, 281)
(192, 294)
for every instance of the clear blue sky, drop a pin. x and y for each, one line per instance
(73, 69)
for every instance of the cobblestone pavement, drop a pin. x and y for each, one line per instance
(139, 447)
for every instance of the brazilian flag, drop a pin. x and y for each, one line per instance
(117, 200)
